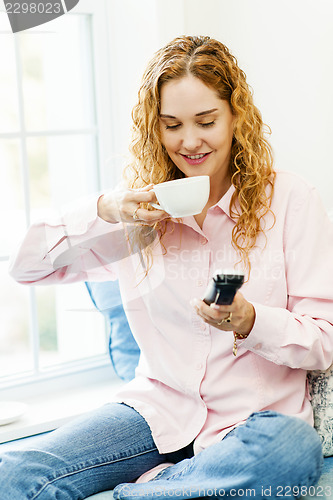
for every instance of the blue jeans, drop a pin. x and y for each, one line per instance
(109, 448)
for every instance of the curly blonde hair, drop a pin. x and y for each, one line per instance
(251, 164)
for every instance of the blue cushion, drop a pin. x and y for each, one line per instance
(326, 479)
(123, 349)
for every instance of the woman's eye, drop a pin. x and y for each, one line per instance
(172, 127)
(209, 124)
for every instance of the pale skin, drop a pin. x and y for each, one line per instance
(194, 121)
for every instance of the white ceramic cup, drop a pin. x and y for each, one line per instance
(183, 197)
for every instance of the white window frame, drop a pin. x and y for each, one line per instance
(98, 367)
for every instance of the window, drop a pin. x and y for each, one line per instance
(49, 143)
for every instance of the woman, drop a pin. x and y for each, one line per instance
(219, 405)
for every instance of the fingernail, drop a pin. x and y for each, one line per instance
(215, 306)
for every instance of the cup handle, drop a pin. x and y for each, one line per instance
(155, 205)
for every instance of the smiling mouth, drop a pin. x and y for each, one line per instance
(196, 159)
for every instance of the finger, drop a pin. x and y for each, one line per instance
(226, 308)
(215, 322)
(216, 311)
(151, 216)
(203, 310)
(211, 316)
(142, 196)
(145, 188)
(208, 319)
(224, 327)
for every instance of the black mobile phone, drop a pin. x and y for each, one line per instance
(223, 286)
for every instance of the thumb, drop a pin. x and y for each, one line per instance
(146, 188)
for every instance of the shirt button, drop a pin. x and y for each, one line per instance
(203, 240)
(199, 366)
(199, 283)
(258, 346)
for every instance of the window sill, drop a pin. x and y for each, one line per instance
(48, 411)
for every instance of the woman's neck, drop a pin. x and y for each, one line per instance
(218, 190)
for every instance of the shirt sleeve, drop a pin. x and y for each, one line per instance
(301, 335)
(75, 245)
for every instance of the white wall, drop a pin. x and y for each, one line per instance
(286, 50)
(285, 47)
(132, 41)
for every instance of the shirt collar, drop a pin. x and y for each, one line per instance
(224, 202)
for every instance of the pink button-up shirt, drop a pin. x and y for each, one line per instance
(188, 384)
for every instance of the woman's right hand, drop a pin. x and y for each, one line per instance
(124, 206)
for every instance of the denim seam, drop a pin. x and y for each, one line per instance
(177, 474)
(89, 467)
(158, 476)
(118, 491)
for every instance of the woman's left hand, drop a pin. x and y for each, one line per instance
(241, 314)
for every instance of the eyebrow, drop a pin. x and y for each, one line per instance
(202, 113)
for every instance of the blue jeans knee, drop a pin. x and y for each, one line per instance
(93, 453)
(288, 441)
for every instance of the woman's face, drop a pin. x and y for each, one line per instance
(196, 128)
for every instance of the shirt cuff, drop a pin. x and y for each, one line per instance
(76, 224)
(268, 332)
(82, 215)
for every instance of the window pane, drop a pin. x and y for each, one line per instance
(61, 169)
(15, 352)
(12, 217)
(9, 121)
(80, 328)
(40, 187)
(47, 322)
(57, 76)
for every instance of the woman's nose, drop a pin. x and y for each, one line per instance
(191, 140)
